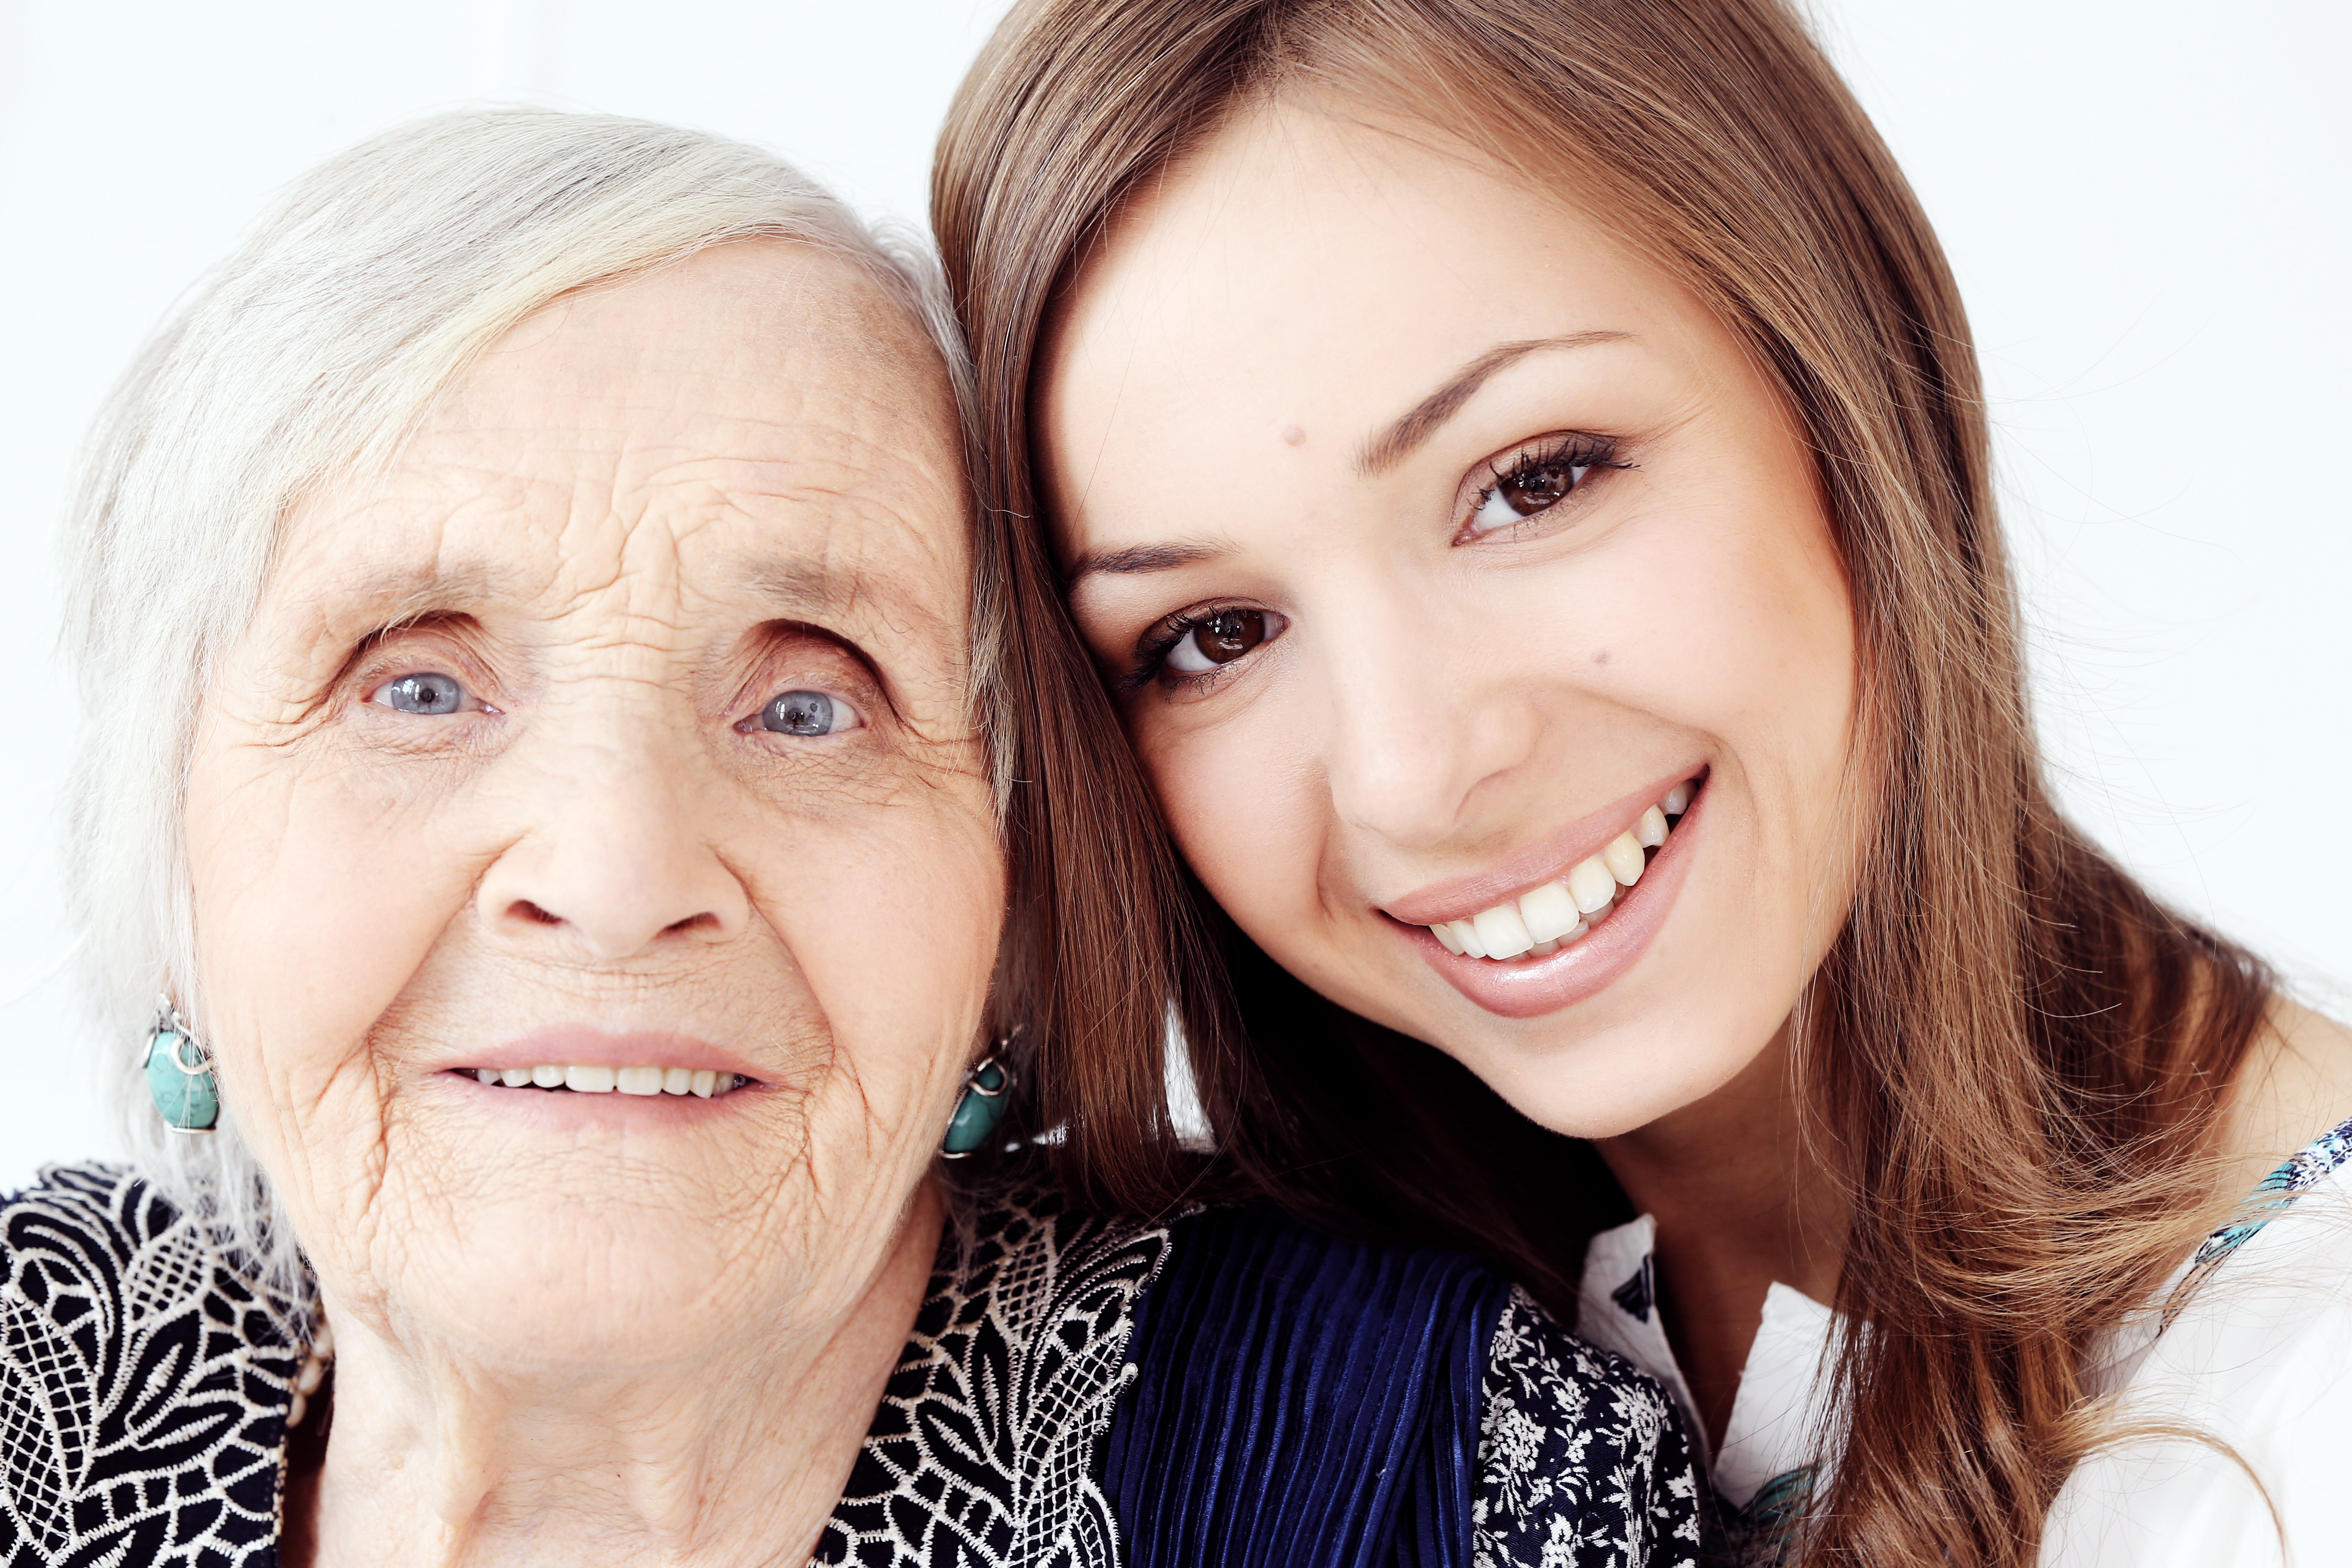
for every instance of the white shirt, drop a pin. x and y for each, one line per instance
(2257, 1355)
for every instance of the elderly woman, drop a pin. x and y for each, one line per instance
(523, 609)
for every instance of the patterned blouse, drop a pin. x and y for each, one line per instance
(145, 1380)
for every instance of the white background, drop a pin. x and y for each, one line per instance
(2143, 199)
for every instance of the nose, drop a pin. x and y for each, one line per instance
(618, 854)
(1414, 731)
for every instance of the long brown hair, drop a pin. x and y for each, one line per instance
(2012, 1056)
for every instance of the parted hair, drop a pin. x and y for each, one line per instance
(2012, 1056)
(371, 285)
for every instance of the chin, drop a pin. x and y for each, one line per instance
(583, 1274)
(1606, 1084)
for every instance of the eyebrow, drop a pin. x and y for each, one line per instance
(418, 589)
(800, 584)
(1392, 445)
(1145, 558)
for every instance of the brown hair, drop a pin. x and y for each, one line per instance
(2014, 1058)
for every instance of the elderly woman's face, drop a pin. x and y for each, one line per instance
(618, 738)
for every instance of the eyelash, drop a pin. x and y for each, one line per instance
(1579, 450)
(1151, 655)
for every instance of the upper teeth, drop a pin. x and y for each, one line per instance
(1544, 920)
(705, 1082)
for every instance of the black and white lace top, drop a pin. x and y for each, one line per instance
(144, 1383)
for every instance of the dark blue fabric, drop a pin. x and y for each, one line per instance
(1301, 1401)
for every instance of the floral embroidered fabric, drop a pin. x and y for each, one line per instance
(1578, 1463)
(143, 1382)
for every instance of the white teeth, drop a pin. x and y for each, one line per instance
(1466, 933)
(1623, 858)
(1591, 886)
(1549, 912)
(583, 1080)
(1544, 920)
(1501, 930)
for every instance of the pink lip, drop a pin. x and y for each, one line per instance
(1531, 987)
(578, 1045)
(1547, 860)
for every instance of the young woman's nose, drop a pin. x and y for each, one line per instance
(618, 853)
(1413, 730)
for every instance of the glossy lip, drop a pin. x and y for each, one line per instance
(579, 1046)
(1547, 859)
(1531, 987)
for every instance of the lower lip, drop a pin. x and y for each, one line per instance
(1531, 987)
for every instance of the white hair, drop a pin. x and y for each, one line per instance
(311, 354)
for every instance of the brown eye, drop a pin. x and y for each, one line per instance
(1526, 491)
(1530, 490)
(1221, 638)
(1532, 482)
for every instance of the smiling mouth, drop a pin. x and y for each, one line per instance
(704, 1084)
(1563, 911)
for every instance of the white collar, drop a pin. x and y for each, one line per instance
(1777, 1419)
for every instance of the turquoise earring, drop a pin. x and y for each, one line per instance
(179, 1074)
(977, 1112)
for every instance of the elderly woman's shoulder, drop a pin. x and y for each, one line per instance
(1100, 1356)
(1322, 1358)
(144, 1375)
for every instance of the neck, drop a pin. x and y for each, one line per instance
(736, 1458)
(1739, 1205)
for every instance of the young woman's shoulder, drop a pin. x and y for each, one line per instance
(2295, 1081)
(2228, 1394)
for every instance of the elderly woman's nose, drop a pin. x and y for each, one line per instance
(618, 853)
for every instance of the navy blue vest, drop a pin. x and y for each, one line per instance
(1301, 1401)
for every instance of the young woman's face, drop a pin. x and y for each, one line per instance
(1455, 565)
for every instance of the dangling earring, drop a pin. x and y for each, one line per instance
(983, 1101)
(179, 1074)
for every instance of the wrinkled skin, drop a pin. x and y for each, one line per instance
(580, 1327)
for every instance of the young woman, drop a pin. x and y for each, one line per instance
(1519, 470)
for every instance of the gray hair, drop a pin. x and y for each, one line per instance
(313, 352)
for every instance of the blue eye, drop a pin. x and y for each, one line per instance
(427, 694)
(807, 713)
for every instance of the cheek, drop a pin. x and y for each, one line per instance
(1726, 617)
(1247, 807)
(1774, 647)
(894, 923)
(316, 901)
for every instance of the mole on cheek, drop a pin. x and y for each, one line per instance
(1600, 656)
